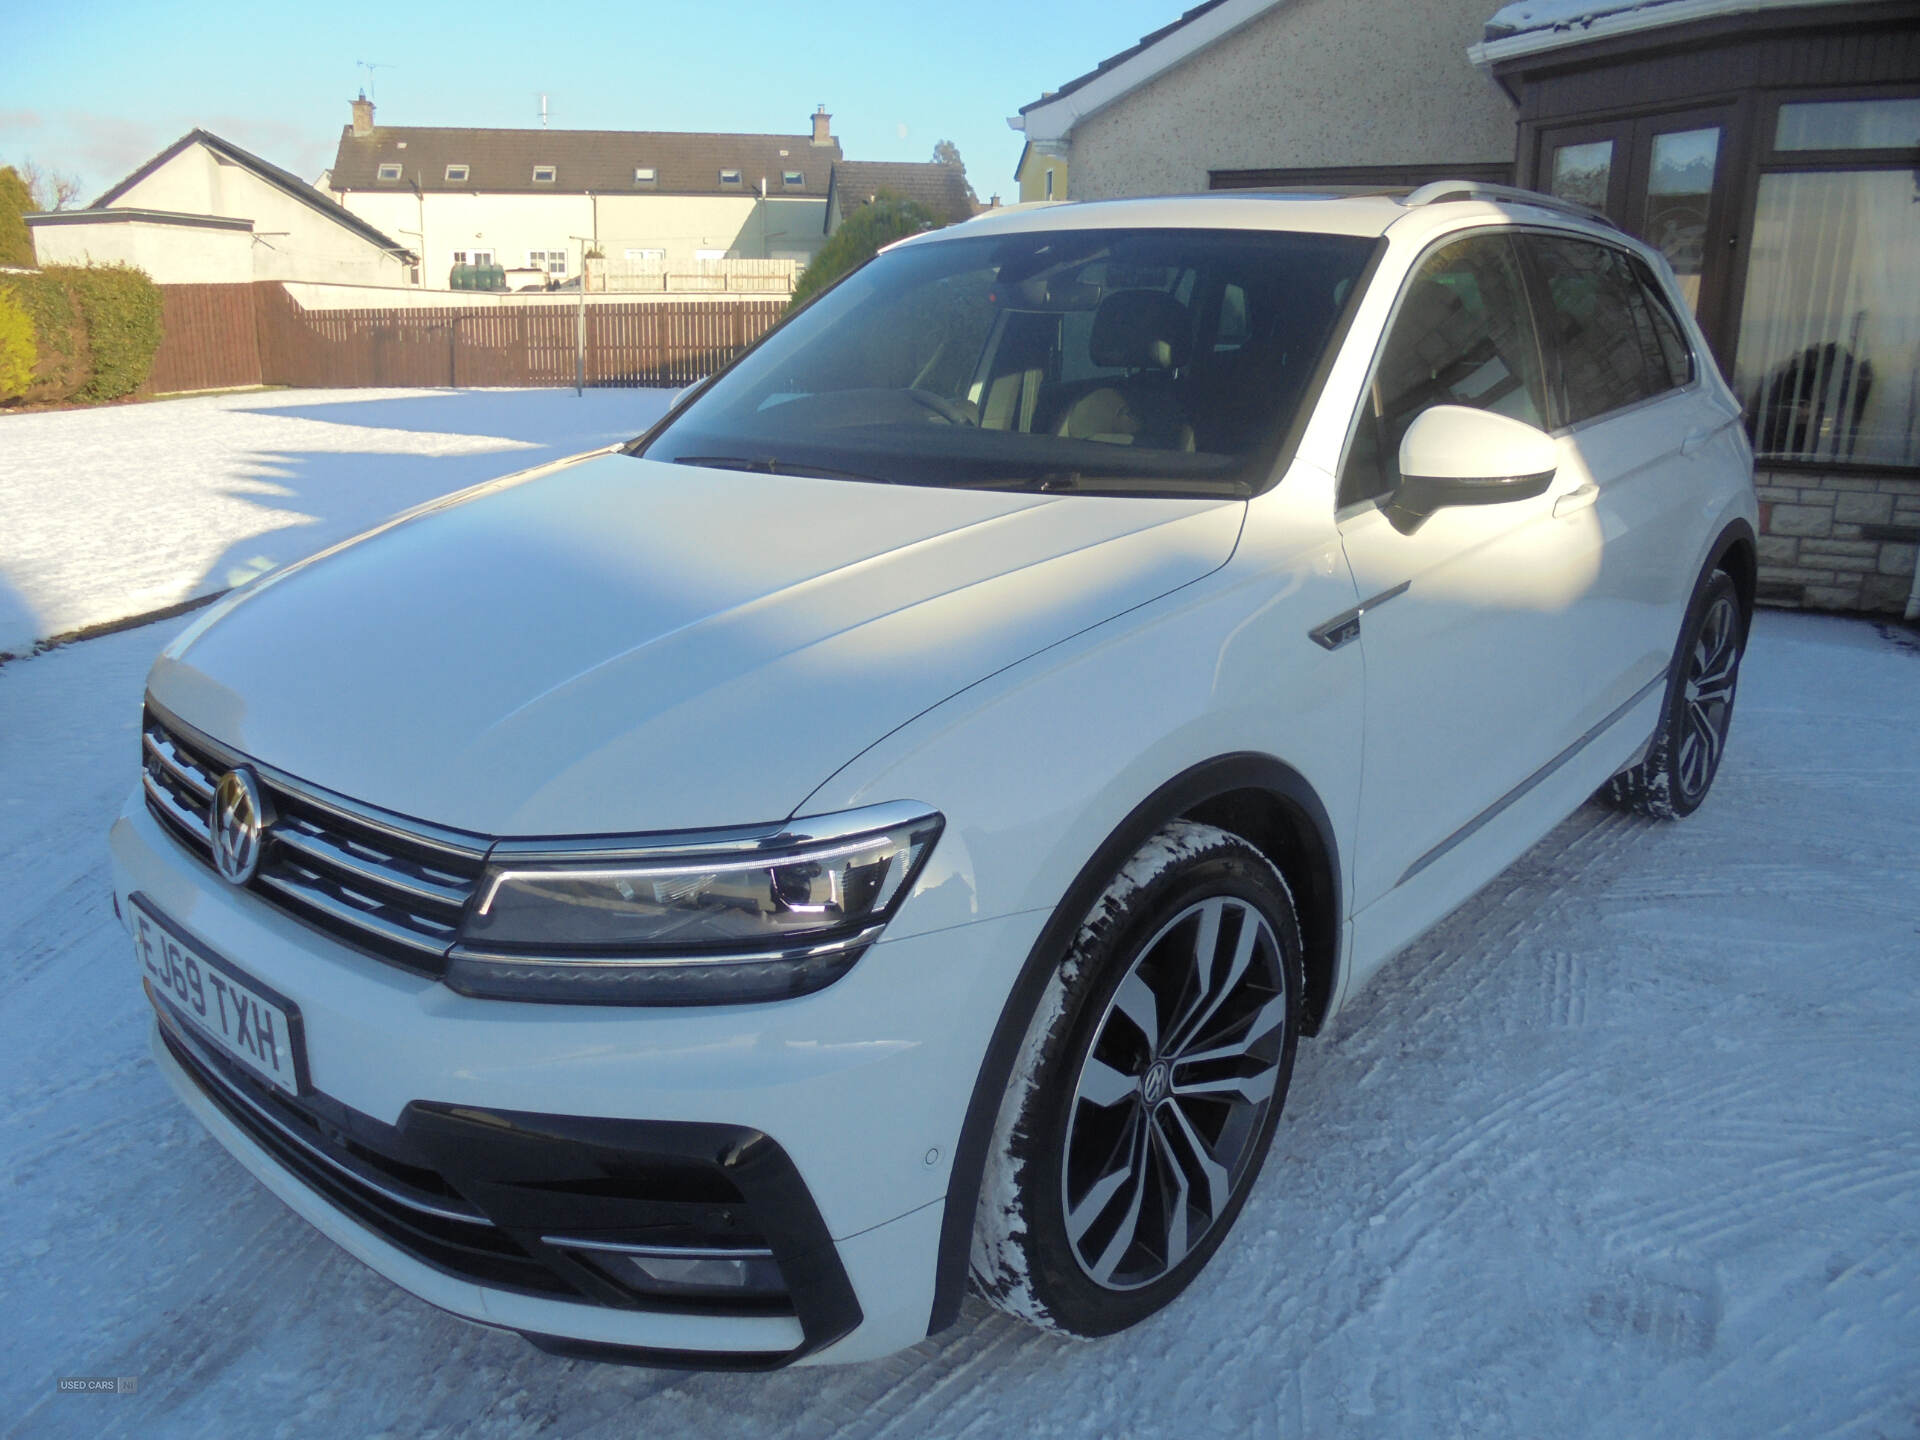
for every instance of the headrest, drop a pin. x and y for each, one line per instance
(1140, 330)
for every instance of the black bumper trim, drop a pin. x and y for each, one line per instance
(529, 1175)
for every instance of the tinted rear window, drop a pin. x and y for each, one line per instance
(1604, 341)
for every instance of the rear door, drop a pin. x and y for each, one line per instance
(1635, 429)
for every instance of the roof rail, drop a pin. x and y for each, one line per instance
(1436, 191)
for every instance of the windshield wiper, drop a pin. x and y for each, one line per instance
(771, 466)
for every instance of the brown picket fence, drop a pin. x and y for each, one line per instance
(216, 336)
(648, 343)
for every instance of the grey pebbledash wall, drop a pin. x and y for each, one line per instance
(1837, 542)
(1311, 83)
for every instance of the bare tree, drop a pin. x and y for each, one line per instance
(50, 189)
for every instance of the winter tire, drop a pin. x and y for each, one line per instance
(1147, 1089)
(1684, 755)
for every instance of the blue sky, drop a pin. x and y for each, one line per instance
(95, 88)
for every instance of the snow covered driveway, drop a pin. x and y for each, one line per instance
(1630, 1147)
(128, 509)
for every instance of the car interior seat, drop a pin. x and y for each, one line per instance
(1148, 333)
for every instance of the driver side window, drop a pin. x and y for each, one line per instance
(1463, 336)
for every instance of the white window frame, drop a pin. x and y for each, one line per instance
(793, 179)
(551, 175)
(647, 254)
(461, 178)
(473, 257)
(554, 262)
(388, 173)
(731, 176)
(646, 175)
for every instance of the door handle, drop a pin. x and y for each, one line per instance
(1576, 500)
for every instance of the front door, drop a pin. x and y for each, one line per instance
(1473, 645)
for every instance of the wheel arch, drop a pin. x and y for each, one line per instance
(1736, 551)
(1263, 800)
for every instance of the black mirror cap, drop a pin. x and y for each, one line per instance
(1420, 496)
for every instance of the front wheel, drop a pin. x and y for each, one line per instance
(1684, 755)
(1147, 1090)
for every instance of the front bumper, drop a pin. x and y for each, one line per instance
(841, 1110)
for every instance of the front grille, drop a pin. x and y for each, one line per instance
(391, 886)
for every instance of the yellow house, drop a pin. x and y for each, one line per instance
(1041, 176)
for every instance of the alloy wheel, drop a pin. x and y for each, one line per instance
(1713, 667)
(1174, 1092)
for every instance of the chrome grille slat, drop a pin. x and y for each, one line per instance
(353, 916)
(179, 767)
(426, 838)
(157, 795)
(321, 850)
(359, 874)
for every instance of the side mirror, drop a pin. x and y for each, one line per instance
(1453, 455)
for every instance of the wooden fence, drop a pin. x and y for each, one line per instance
(208, 339)
(657, 277)
(257, 334)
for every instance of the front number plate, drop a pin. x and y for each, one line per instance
(219, 1002)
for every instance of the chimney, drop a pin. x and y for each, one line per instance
(363, 115)
(822, 126)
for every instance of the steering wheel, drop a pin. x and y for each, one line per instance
(948, 410)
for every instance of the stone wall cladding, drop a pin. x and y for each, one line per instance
(1837, 542)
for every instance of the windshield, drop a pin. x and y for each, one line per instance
(1131, 361)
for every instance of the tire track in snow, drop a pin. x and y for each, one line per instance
(1717, 1208)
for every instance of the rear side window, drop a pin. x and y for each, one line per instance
(1462, 336)
(1666, 329)
(1603, 330)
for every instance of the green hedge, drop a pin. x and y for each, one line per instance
(17, 350)
(889, 217)
(95, 328)
(120, 307)
(16, 241)
(63, 364)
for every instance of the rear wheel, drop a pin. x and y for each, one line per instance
(1685, 753)
(1147, 1090)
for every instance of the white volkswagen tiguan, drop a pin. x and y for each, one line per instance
(702, 902)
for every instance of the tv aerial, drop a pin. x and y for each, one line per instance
(370, 66)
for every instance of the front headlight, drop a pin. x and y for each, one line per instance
(694, 920)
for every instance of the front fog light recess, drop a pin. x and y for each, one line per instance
(694, 921)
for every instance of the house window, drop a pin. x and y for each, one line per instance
(473, 257)
(645, 174)
(1828, 355)
(389, 172)
(793, 179)
(1849, 125)
(456, 174)
(729, 177)
(646, 255)
(554, 262)
(1049, 182)
(545, 174)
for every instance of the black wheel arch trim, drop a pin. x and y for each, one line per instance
(1735, 535)
(1222, 776)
